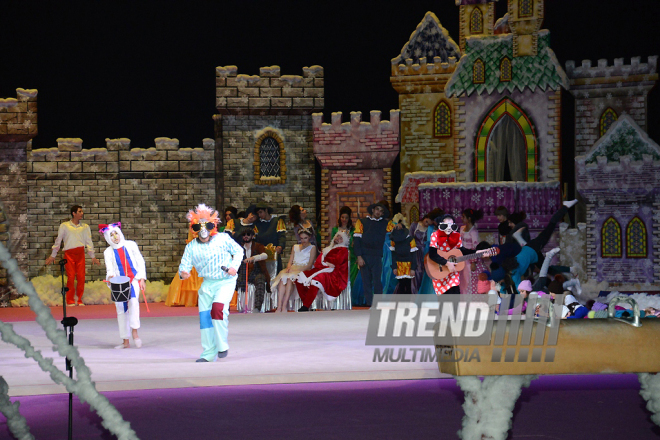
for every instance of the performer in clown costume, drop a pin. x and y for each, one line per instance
(123, 258)
(216, 257)
(445, 239)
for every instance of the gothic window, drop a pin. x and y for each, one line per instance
(414, 214)
(442, 120)
(608, 118)
(525, 8)
(505, 70)
(477, 22)
(636, 239)
(478, 72)
(269, 159)
(611, 239)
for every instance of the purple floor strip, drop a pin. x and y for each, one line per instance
(554, 407)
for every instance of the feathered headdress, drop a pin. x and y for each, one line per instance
(203, 212)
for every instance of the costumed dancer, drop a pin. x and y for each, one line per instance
(387, 278)
(445, 239)
(271, 232)
(345, 223)
(422, 231)
(470, 238)
(257, 275)
(217, 258)
(77, 239)
(235, 227)
(123, 258)
(404, 256)
(368, 242)
(302, 258)
(329, 274)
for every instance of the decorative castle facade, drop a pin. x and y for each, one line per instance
(264, 137)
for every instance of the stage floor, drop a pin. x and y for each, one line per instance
(264, 349)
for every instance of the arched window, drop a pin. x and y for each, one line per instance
(414, 214)
(478, 72)
(636, 243)
(525, 8)
(269, 159)
(608, 118)
(505, 70)
(611, 239)
(442, 120)
(477, 22)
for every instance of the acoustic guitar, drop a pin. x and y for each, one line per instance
(437, 272)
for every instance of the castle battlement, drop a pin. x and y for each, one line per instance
(618, 69)
(356, 127)
(270, 91)
(18, 116)
(437, 67)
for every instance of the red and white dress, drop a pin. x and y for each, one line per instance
(329, 276)
(444, 243)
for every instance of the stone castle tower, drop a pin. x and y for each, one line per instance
(264, 142)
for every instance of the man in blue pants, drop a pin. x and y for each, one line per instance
(216, 257)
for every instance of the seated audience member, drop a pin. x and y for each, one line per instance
(329, 274)
(302, 258)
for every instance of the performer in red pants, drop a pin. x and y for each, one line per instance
(77, 240)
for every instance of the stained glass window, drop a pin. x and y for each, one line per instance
(636, 244)
(478, 72)
(476, 22)
(608, 118)
(269, 157)
(442, 123)
(414, 214)
(611, 239)
(505, 70)
(525, 8)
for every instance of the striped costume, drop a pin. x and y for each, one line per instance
(216, 290)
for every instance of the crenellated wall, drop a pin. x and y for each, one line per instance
(622, 87)
(18, 125)
(148, 189)
(357, 159)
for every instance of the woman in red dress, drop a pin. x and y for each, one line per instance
(329, 274)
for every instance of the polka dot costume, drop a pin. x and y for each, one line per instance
(454, 279)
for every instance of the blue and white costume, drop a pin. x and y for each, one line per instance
(216, 290)
(124, 259)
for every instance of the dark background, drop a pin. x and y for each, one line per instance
(109, 69)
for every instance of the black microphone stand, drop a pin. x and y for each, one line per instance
(69, 323)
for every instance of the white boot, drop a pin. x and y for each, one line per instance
(570, 203)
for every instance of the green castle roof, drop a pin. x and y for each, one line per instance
(541, 71)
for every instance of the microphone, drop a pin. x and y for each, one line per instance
(63, 262)
(224, 268)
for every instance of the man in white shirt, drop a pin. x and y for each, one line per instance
(77, 240)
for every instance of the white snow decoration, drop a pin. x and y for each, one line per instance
(16, 423)
(650, 391)
(489, 405)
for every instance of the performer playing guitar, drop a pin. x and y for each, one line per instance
(446, 239)
(455, 256)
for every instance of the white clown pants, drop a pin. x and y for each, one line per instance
(213, 302)
(128, 319)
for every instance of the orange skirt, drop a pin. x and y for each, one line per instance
(184, 292)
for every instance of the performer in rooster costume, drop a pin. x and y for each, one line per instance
(216, 257)
(329, 274)
(123, 258)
